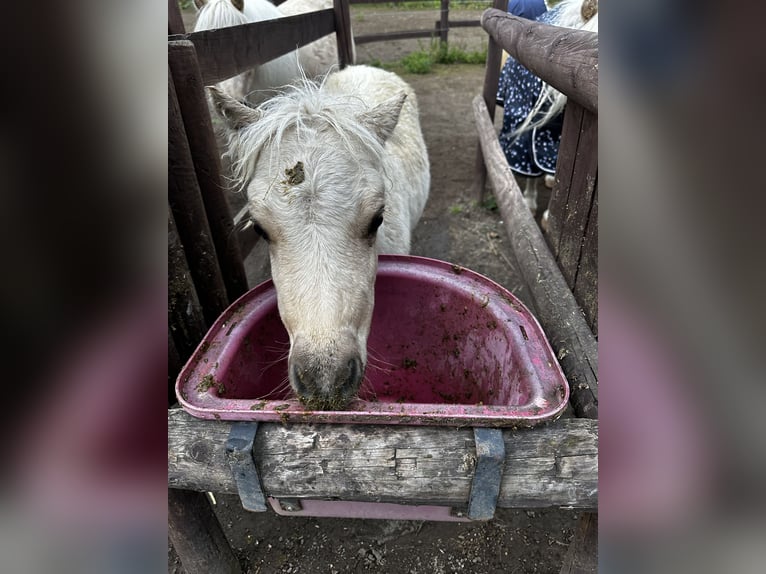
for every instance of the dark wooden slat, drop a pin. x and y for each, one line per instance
(464, 23)
(189, 215)
(586, 286)
(579, 198)
(554, 465)
(186, 323)
(566, 59)
(175, 20)
(582, 555)
(197, 536)
(226, 52)
(404, 35)
(570, 137)
(489, 91)
(557, 310)
(343, 33)
(443, 24)
(204, 151)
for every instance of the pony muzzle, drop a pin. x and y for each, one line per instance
(325, 380)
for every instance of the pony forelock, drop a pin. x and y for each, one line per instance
(304, 107)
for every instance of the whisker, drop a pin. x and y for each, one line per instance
(367, 391)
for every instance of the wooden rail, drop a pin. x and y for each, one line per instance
(554, 465)
(566, 59)
(441, 26)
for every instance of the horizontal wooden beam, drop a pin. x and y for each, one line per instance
(404, 35)
(557, 310)
(225, 52)
(548, 466)
(564, 58)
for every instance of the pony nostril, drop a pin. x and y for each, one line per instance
(298, 378)
(353, 374)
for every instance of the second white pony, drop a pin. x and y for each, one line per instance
(262, 82)
(335, 172)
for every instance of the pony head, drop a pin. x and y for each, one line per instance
(312, 164)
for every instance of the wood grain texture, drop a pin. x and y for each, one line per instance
(582, 555)
(554, 465)
(489, 91)
(343, 35)
(556, 308)
(192, 102)
(175, 20)
(186, 203)
(226, 52)
(197, 536)
(586, 286)
(572, 229)
(186, 323)
(564, 58)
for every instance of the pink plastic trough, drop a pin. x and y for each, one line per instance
(448, 347)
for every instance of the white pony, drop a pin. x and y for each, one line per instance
(260, 83)
(575, 14)
(320, 56)
(336, 172)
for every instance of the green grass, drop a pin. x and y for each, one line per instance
(186, 4)
(423, 61)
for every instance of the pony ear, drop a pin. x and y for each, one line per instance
(382, 118)
(234, 114)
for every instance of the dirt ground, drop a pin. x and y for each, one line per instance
(456, 229)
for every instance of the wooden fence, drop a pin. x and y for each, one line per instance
(441, 26)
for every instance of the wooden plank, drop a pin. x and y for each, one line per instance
(579, 198)
(207, 166)
(586, 286)
(557, 310)
(186, 323)
(564, 58)
(582, 555)
(226, 52)
(386, 36)
(557, 206)
(489, 91)
(197, 536)
(189, 215)
(554, 465)
(175, 20)
(343, 34)
(443, 24)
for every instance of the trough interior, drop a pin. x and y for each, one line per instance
(430, 343)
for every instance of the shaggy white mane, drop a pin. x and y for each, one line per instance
(219, 14)
(304, 108)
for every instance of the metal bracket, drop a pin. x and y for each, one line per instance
(485, 487)
(239, 453)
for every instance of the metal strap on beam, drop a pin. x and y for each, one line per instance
(485, 487)
(239, 453)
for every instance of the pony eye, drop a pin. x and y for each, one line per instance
(376, 222)
(260, 231)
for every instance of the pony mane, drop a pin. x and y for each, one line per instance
(569, 15)
(218, 14)
(305, 107)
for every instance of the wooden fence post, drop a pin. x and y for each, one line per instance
(192, 102)
(489, 92)
(197, 536)
(343, 33)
